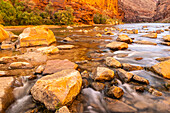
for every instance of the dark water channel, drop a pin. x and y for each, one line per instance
(89, 52)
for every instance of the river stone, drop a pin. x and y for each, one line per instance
(117, 106)
(104, 74)
(165, 43)
(123, 75)
(57, 89)
(36, 36)
(3, 34)
(20, 65)
(145, 42)
(67, 39)
(97, 86)
(166, 38)
(150, 35)
(129, 67)
(6, 94)
(163, 58)
(117, 45)
(155, 92)
(40, 69)
(63, 109)
(124, 38)
(65, 46)
(115, 91)
(108, 33)
(49, 50)
(112, 62)
(162, 68)
(53, 66)
(3, 73)
(140, 79)
(7, 46)
(5, 60)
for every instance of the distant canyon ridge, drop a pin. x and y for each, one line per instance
(127, 10)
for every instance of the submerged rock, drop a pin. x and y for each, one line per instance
(163, 58)
(166, 38)
(117, 45)
(145, 42)
(123, 75)
(53, 66)
(124, 38)
(6, 94)
(36, 36)
(150, 35)
(57, 89)
(129, 67)
(104, 74)
(162, 69)
(115, 91)
(112, 62)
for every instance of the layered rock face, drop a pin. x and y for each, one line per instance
(162, 11)
(138, 10)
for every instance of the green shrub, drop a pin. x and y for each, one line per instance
(64, 17)
(99, 18)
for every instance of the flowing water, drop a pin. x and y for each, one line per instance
(89, 52)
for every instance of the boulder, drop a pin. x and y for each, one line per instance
(162, 69)
(117, 106)
(112, 62)
(104, 74)
(36, 36)
(150, 35)
(139, 79)
(145, 42)
(123, 75)
(117, 45)
(53, 66)
(129, 67)
(20, 65)
(124, 38)
(115, 91)
(57, 89)
(97, 86)
(49, 50)
(3, 34)
(166, 38)
(6, 94)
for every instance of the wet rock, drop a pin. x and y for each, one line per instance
(85, 83)
(140, 79)
(5, 60)
(144, 26)
(49, 50)
(20, 65)
(162, 69)
(135, 31)
(32, 77)
(3, 73)
(141, 105)
(129, 31)
(150, 35)
(138, 58)
(8, 46)
(139, 88)
(158, 31)
(115, 91)
(166, 38)
(104, 74)
(67, 39)
(6, 94)
(65, 46)
(98, 35)
(117, 106)
(108, 33)
(3, 34)
(97, 86)
(129, 67)
(85, 74)
(112, 62)
(114, 82)
(117, 45)
(123, 75)
(124, 38)
(63, 109)
(155, 92)
(34, 36)
(57, 89)
(163, 58)
(53, 66)
(165, 43)
(69, 27)
(40, 69)
(145, 42)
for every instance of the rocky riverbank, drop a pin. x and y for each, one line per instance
(85, 69)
